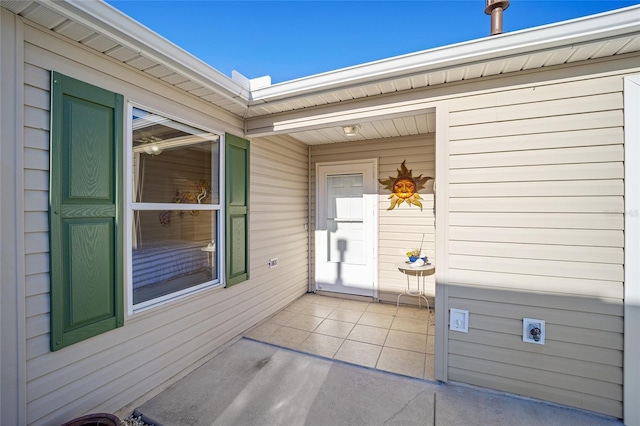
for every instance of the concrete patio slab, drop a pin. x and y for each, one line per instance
(254, 383)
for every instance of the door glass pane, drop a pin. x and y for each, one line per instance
(345, 219)
(344, 193)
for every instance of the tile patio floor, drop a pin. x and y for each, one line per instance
(363, 333)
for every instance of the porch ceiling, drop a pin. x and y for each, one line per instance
(100, 27)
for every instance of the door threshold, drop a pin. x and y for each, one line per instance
(346, 296)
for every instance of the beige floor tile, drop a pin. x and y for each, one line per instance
(354, 305)
(331, 302)
(428, 368)
(295, 307)
(376, 320)
(402, 362)
(375, 326)
(406, 340)
(382, 308)
(413, 312)
(359, 353)
(304, 322)
(368, 334)
(322, 345)
(334, 328)
(308, 298)
(282, 317)
(346, 315)
(410, 324)
(317, 310)
(287, 337)
(263, 330)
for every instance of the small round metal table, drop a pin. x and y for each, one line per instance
(420, 272)
(210, 249)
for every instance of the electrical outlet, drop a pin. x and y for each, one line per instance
(533, 331)
(273, 262)
(459, 320)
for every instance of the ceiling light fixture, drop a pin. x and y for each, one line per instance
(152, 149)
(351, 130)
(149, 144)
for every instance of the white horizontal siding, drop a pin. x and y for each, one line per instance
(552, 124)
(568, 139)
(580, 188)
(605, 255)
(554, 172)
(112, 370)
(536, 229)
(594, 221)
(553, 107)
(538, 157)
(543, 268)
(575, 237)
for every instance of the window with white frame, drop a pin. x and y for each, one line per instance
(175, 214)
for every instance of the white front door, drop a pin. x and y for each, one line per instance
(346, 228)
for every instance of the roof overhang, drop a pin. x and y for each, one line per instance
(602, 28)
(99, 26)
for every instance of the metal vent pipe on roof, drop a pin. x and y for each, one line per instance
(495, 8)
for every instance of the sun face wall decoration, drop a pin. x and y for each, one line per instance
(404, 187)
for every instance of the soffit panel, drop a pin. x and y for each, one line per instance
(632, 46)
(175, 79)
(455, 75)
(507, 66)
(99, 43)
(560, 56)
(78, 32)
(612, 47)
(142, 63)
(403, 84)
(42, 16)
(73, 30)
(584, 52)
(159, 71)
(121, 53)
(380, 129)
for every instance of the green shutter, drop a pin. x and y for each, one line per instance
(85, 211)
(236, 209)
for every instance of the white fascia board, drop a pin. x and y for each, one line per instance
(577, 31)
(110, 22)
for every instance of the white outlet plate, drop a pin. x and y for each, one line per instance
(529, 324)
(459, 320)
(273, 262)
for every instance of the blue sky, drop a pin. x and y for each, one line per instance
(292, 39)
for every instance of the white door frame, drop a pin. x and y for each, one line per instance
(371, 205)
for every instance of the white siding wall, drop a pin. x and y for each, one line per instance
(114, 369)
(399, 229)
(536, 230)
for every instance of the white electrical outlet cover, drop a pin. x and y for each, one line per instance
(530, 324)
(459, 320)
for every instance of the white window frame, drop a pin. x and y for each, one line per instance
(130, 207)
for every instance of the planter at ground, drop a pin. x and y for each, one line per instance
(97, 419)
